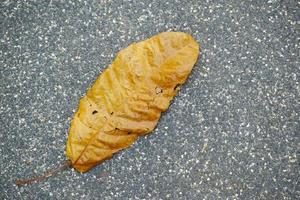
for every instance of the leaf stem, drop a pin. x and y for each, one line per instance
(67, 164)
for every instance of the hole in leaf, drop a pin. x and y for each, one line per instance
(177, 87)
(94, 112)
(158, 90)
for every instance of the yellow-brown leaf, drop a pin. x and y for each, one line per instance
(127, 99)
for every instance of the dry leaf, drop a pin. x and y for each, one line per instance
(127, 99)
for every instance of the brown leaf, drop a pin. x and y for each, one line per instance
(127, 99)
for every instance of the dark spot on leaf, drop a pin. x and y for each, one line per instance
(111, 113)
(94, 112)
(129, 132)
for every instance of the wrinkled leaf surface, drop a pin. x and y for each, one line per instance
(127, 99)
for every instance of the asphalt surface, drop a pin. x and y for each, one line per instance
(231, 133)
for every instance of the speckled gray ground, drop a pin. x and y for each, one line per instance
(232, 133)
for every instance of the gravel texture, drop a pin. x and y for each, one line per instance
(232, 133)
